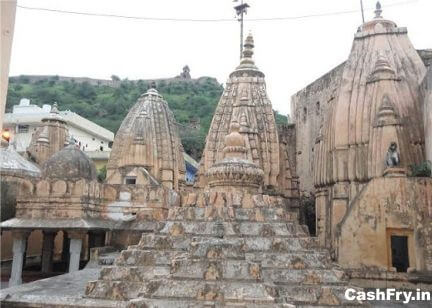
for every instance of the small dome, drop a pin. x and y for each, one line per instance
(69, 163)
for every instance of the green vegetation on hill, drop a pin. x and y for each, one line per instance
(190, 100)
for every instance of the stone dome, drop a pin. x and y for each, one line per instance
(71, 164)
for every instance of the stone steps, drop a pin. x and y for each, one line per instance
(240, 270)
(168, 303)
(292, 260)
(229, 292)
(228, 229)
(258, 244)
(134, 273)
(200, 259)
(232, 247)
(182, 303)
(138, 257)
(318, 295)
(277, 214)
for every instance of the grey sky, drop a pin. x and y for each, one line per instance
(291, 53)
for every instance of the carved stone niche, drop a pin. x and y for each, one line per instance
(26, 187)
(59, 188)
(43, 188)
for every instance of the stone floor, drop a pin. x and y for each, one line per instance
(61, 291)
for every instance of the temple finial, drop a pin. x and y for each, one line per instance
(248, 46)
(54, 108)
(378, 11)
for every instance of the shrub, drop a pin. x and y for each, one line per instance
(422, 170)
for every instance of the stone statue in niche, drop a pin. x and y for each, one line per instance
(392, 156)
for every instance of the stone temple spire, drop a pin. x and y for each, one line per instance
(244, 100)
(49, 138)
(378, 73)
(147, 143)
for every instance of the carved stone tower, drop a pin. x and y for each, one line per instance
(147, 148)
(245, 100)
(48, 139)
(377, 106)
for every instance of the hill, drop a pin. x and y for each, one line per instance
(106, 102)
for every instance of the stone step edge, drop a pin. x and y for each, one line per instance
(276, 303)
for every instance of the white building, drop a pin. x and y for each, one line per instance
(26, 118)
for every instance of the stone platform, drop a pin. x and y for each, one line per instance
(224, 257)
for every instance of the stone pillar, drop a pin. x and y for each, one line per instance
(47, 251)
(76, 242)
(19, 248)
(321, 216)
(340, 203)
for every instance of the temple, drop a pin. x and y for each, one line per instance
(147, 147)
(245, 100)
(279, 216)
(373, 209)
(49, 138)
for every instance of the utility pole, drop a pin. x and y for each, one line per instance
(241, 9)
(362, 12)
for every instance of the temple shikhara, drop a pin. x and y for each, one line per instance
(238, 237)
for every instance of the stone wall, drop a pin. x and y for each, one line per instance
(309, 107)
(426, 100)
(138, 202)
(387, 206)
(287, 178)
(56, 199)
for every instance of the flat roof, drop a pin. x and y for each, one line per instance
(70, 117)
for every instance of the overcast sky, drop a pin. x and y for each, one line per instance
(291, 53)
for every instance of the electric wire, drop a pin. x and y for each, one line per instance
(145, 18)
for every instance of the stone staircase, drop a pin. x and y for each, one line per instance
(224, 257)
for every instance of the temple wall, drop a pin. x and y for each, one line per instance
(426, 100)
(309, 108)
(143, 201)
(58, 199)
(287, 178)
(387, 206)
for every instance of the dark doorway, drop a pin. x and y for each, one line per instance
(130, 180)
(400, 254)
